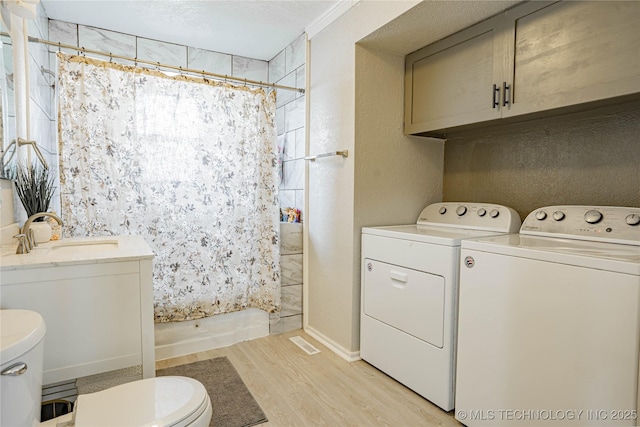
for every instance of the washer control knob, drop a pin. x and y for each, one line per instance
(461, 210)
(540, 215)
(442, 210)
(494, 213)
(633, 219)
(482, 212)
(593, 216)
(558, 215)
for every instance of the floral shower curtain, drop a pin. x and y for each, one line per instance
(189, 164)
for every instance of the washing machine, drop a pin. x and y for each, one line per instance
(549, 321)
(409, 293)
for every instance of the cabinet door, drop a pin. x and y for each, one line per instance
(450, 83)
(573, 52)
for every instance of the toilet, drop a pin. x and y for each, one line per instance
(161, 401)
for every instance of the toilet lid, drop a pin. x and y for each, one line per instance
(161, 401)
(20, 331)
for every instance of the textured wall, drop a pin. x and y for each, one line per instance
(332, 297)
(576, 159)
(395, 175)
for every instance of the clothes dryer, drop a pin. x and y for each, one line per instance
(409, 293)
(549, 321)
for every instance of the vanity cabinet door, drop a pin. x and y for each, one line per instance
(450, 83)
(572, 52)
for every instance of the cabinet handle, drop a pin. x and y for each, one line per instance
(506, 98)
(496, 96)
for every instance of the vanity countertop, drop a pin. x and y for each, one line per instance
(82, 250)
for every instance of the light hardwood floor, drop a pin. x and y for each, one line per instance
(297, 389)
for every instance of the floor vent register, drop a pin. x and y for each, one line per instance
(304, 344)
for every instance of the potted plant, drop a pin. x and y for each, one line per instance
(35, 187)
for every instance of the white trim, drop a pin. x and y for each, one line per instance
(331, 15)
(349, 356)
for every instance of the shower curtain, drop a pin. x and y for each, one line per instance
(187, 163)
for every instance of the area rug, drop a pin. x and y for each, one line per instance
(233, 404)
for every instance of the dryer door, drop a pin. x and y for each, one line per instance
(409, 300)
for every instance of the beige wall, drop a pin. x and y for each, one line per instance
(395, 176)
(576, 159)
(355, 103)
(331, 297)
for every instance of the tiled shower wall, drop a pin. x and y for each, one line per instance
(290, 317)
(287, 68)
(41, 119)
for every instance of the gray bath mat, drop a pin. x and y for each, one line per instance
(233, 404)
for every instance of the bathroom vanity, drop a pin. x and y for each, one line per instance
(96, 297)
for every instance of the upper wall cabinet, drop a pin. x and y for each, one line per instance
(449, 83)
(536, 57)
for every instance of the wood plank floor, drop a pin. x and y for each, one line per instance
(297, 389)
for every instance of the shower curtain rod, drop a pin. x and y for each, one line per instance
(158, 64)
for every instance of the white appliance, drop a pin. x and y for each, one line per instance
(163, 401)
(409, 293)
(549, 321)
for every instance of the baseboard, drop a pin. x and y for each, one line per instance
(349, 356)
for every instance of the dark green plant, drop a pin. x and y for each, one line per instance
(35, 187)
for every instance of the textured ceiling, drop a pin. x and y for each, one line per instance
(257, 29)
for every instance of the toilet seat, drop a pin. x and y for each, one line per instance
(161, 401)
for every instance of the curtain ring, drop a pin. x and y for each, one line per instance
(135, 61)
(158, 65)
(245, 82)
(110, 58)
(59, 47)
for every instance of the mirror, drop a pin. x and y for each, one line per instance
(7, 107)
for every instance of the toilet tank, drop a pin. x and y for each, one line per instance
(21, 357)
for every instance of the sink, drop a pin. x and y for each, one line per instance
(75, 250)
(64, 247)
(8, 250)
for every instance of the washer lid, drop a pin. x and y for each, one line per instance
(446, 236)
(587, 254)
(161, 401)
(20, 331)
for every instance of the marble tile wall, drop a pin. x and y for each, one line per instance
(41, 119)
(291, 272)
(288, 69)
(156, 51)
(9, 124)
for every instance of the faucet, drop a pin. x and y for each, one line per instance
(29, 240)
(23, 247)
